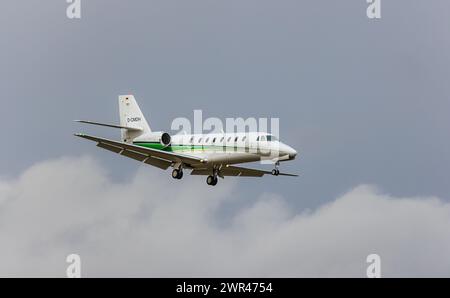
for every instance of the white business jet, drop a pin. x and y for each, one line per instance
(213, 155)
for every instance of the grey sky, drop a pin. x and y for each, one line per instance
(363, 101)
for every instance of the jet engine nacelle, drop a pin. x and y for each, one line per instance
(163, 137)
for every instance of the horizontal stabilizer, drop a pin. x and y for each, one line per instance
(110, 125)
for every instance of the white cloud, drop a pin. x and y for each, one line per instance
(154, 226)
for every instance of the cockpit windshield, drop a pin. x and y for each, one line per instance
(271, 138)
(268, 138)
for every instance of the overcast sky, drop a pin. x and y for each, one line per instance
(365, 102)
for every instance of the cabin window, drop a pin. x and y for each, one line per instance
(214, 140)
(192, 140)
(207, 139)
(262, 138)
(229, 139)
(221, 140)
(243, 139)
(235, 139)
(200, 140)
(257, 139)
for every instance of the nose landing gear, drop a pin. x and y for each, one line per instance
(275, 171)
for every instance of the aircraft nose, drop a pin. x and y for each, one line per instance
(292, 153)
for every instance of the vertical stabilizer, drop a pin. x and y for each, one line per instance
(131, 116)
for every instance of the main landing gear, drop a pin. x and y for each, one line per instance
(211, 180)
(275, 171)
(177, 173)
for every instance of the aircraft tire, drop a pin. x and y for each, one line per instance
(210, 180)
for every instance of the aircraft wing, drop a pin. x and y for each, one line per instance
(158, 158)
(237, 171)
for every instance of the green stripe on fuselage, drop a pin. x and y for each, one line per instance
(171, 148)
(158, 146)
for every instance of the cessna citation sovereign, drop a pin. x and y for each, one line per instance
(213, 155)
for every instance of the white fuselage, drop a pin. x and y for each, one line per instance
(224, 148)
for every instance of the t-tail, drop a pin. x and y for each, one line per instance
(132, 121)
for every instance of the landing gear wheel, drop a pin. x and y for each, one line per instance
(275, 171)
(177, 174)
(211, 180)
